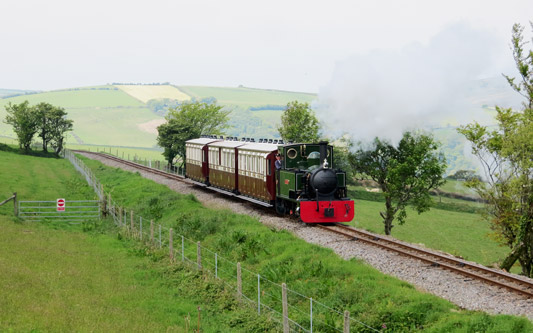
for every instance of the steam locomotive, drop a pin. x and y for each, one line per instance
(305, 183)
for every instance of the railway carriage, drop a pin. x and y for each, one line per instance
(197, 159)
(256, 171)
(306, 185)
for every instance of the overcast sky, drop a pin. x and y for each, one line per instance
(292, 45)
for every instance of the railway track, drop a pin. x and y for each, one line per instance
(486, 275)
(138, 166)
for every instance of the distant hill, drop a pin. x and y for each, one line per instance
(127, 115)
(15, 92)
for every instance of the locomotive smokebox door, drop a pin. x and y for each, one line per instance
(329, 212)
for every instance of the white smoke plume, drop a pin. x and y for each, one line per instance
(386, 92)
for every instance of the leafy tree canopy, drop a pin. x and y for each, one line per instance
(299, 123)
(506, 155)
(188, 121)
(24, 120)
(405, 173)
(47, 120)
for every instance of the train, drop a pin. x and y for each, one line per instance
(296, 179)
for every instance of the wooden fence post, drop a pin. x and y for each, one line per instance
(285, 307)
(170, 245)
(239, 281)
(109, 205)
(152, 232)
(346, 322)
(15, 209)
(199, 255)
(104, 206)
(131, 223)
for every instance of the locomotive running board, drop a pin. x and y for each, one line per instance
(230, 194)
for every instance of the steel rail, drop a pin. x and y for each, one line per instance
(436, 260)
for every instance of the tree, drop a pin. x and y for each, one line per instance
(405, 173)
(186, 122)
(298, 123)
(58, 126)
(24, 121)
(42, 112)
(506, 155)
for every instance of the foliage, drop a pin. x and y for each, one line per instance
(45, 119)
(53, 125)
(405, 173)
(465, 175)
(24, 121)
(299, 123)
(506, 155)
(186, 122)
(341, 153)
(43, 111)
(160, 106)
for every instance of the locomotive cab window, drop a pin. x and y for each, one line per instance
(292, 153)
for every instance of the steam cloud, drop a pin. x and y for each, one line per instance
(384, 93)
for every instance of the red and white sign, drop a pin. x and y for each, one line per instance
(60, 205)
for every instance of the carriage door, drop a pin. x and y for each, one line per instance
(205, 161)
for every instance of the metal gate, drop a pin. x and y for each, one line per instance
(74, 210)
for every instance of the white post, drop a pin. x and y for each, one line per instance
(285, 307)
(346, 322)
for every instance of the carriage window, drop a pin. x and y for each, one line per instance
(268, 163)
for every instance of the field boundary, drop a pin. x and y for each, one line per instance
(269, 297)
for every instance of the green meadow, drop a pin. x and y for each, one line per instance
(102, 115)
(69, 278)
(246, 97)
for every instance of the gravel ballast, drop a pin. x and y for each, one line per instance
(463, 291)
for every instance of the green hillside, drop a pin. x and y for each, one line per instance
(246, 97)
(102, 115)
(106, 115)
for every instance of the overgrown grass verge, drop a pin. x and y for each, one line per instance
(380, 301)
(62, 277)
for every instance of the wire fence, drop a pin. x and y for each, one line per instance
(161, 165)
(293, 311)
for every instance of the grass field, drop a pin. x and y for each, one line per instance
(371, 297)
(144, 93)
(246, 97)
(461, 234)
(102, 115)
(58, 278)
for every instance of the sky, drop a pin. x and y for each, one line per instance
(288, 45)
